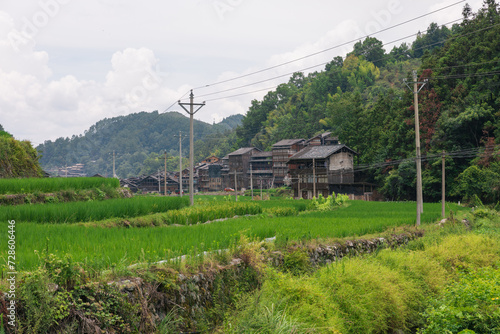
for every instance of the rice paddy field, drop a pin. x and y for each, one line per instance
(73, 212)
(103, 248)
(47, 185)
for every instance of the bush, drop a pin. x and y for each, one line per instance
(472, 303)
(373, 298)
(286, 304)
(465, 252)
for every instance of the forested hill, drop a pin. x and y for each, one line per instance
(139, 141)
(362, 99)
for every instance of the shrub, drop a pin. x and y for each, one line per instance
(472, 303)
(286, 304)
(373, 298)
(465, 252)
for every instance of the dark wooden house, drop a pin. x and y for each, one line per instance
(281, 152)
(318, 169)
(239, 164)
(262, 169)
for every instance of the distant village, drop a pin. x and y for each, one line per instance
(319, 165)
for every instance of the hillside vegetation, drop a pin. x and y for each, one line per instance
(139, 141)
(17, 158)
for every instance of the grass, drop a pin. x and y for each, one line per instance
(104, 246)
(89, 211)
(47, 185)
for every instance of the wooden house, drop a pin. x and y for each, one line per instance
(261, 169)
(319, 169)
(281, 152)
(239, 165)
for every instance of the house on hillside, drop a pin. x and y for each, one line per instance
(322, 169)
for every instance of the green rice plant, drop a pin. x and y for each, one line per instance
(104, 246)
(282, 211)
(90, 211)
(47, 185)
(202, 214)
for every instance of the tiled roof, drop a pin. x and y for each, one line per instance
(262, 154)
(288, 142)
(318, 152)
(242, 151)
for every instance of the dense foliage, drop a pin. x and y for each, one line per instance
(17, 158)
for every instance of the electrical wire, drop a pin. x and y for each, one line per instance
(324, 63)
(328, 49)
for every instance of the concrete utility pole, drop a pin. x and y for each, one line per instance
(261, 189)
(442, 185)
(114, 174)
(251, 180)
(235, 187)
(416, 90)
(165, 190)
(314, 178)
(180, 162)
(191, 113)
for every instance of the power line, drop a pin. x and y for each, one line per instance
(326, 50)
(376, 60)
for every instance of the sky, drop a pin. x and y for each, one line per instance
(66, 64)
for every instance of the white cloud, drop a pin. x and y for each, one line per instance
(128, 46)
(36, 107)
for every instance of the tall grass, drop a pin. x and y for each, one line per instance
(104, 246)
(46, 185)
(89, 211)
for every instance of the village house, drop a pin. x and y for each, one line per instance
(320, 169)
(261, 171)
(238, 164)
(281, 152)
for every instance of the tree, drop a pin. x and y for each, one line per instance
(371, 50)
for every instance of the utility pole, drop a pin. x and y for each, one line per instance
(235, 187)
(261, 189)
(191, 113)
(114, 174)
(442, 184)
(416, 90)
(314, 178)
(298, 186)
(180, 163)
(251, 180)
(165, 190)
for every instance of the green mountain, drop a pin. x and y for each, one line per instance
(138, 140)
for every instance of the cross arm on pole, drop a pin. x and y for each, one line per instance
(199, 105)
